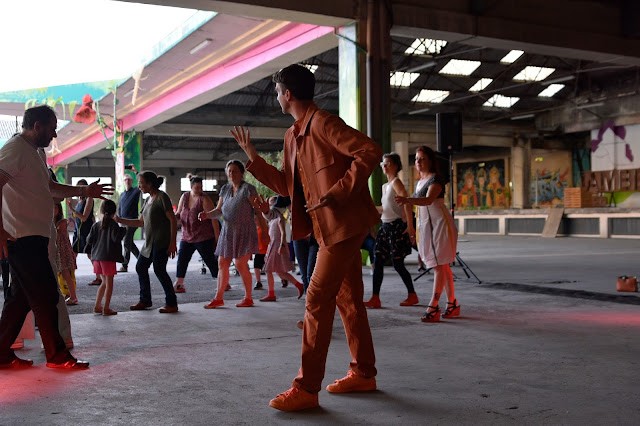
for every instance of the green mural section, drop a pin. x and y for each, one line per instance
(129, 152)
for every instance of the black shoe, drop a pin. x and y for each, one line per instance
(258, 286)
(285, 283)
(17, 363)
(72, 364)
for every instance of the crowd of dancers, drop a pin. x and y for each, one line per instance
(324, 192)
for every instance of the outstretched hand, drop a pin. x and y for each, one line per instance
(259, 203)
(202, 216)
(401, 200)
(244, 140)
(96, 190)
(325, 201)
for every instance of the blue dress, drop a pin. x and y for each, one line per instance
(238, 236)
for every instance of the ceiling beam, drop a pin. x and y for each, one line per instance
(212, 131)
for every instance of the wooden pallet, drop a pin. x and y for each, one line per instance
(577, 198)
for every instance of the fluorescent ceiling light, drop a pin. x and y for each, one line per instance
(480, 85)
(418, 111)
(511, 57)
(558, 80)
(522, 117)
(201, 45)
(460, 67)
(592, 105)
(403, 79)
(311, 67)
(501, 101)
(425, 46)
(432, 96)
(551, 90)
(531, 73)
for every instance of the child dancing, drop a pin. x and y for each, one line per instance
(104, 242)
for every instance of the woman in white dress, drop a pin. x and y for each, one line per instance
(438, 236)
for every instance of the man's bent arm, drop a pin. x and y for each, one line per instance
(365, 152)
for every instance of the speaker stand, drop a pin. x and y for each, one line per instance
(467, 270)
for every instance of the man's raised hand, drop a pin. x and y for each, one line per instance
(97, 190)
(244, 140)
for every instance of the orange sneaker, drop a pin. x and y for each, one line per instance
(294, 399)
(374, 302)
(245, 303)
(268, 298)
(214, 304)
(412, 299)
(352, 383)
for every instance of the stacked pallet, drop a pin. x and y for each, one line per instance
(577, 198)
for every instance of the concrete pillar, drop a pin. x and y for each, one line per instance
(402, 149)
(378, 86)
(520, 174)
(129, 152)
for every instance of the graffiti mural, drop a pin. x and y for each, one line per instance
(481, 185)
(547, 186)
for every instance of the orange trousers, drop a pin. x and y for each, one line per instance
(336, 281)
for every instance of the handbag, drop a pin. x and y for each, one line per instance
(625, 283)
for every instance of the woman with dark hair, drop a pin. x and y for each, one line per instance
(83, 214)
(160, 229)
(438, 233)
(238, 238)
(196, 234)
(396, 234)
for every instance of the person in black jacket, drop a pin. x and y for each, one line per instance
(104, 242)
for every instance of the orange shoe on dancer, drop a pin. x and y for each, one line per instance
(374, 302)
(214, 304)
(412, 299)
(352, 383)
(294, 400)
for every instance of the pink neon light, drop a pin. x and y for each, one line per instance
(295, 36)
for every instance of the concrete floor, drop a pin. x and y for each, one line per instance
(544, 339)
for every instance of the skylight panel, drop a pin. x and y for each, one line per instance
(432, 96)
(551, 90)
(403, 79)
(425, 46)
(460, 67)
(501, 101)
(511, 57)
(311, 67)
(481, 85)
(531, 73)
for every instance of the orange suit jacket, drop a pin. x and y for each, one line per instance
(335, 159)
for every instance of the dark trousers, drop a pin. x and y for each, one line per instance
(33, 288)
(205, 248)
(129, 245)
(369, 245)
(4, 263)
(159, 259)
(306, 252)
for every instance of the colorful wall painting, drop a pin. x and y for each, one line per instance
(481, 185)
(617, 148)
(550, 175)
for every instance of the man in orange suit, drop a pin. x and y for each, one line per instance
(325, 169)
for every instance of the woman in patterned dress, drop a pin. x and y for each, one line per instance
(238, 238)
(65, 257)
(438, 234)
